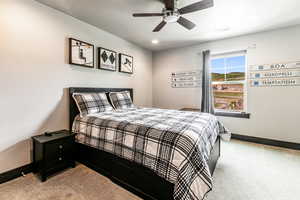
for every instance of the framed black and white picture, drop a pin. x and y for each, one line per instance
(81, 53)
(107, 59)
(125, 63)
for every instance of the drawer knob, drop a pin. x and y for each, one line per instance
(61, 146)
(59, 158)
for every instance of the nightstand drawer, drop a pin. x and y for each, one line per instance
(56, 160)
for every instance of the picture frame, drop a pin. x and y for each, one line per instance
(125, 63)
(81, 53)
(107, 59)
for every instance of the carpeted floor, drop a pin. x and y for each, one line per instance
(245, 171)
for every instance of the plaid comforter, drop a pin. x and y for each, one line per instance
(174, 144)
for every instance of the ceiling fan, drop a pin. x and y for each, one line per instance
(172, 14)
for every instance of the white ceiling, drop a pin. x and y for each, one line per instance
(241, 16)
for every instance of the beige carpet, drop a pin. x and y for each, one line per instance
(245, 172)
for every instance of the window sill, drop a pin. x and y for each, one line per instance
(233, 114)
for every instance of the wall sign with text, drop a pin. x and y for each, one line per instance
(275, 82)
(278, 66)
(275, 74)
(186, 79)
(186, 85)
(281, 74)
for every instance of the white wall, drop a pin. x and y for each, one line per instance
(274, 111)
(34, 73)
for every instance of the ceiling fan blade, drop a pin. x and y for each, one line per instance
(197, 6)
(186, 23)
(148, 14)
(160, 26)
(170, 4)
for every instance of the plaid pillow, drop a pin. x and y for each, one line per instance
(121, 100)
(89, 103)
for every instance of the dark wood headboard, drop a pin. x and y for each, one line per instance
(73, 110)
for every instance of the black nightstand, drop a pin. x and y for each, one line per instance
(53, 153)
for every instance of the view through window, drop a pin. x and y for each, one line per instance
(229, 79)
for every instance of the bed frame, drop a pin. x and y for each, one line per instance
(132, 176)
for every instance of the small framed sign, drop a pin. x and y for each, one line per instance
(107, 59)
(125, 63)
(81, 53)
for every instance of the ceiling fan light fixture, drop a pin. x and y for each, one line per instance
(171, 17)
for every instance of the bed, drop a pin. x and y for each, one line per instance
(139, 177)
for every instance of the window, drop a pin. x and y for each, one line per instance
(229, 81)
